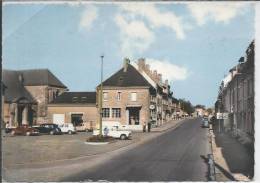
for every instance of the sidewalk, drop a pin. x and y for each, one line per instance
(233, 161)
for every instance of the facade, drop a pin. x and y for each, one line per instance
(27, 95)
(74, 107)
(135, 95)
(236, 97)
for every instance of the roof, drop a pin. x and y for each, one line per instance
(38, 77)
(15, 90)
(126, 79)
(75, 98)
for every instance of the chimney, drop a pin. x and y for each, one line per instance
(160, 77)
(166, 82)
(126, 62)
(147, 68)
(141, 64)
(154, 75)
(21, 79)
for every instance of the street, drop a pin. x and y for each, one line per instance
(177, 155)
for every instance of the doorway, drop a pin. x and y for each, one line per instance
(76, 119)
(134, 115)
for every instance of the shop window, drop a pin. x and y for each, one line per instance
(105, 112)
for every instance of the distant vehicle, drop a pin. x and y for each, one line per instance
(67, 128)
(49, 128)
(115, 132)
(205, 123)
(24, 130)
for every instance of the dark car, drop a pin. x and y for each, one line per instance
(24, 130)
(51, 129)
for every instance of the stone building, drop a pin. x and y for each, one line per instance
(134, 95)
(27, 94)
(236, 97)
(74, 107)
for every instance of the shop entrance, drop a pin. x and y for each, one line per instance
(76, 119)
(134, 115)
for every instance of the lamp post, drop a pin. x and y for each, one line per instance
(101, 97)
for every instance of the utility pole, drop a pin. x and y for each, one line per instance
(101, 97)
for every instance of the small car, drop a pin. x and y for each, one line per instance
(205, 123)
(82, 127)
(67, 128)
(49, 128)
(24, 130)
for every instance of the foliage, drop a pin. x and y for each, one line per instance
(186, 106)
(97, 138)
(200, 106)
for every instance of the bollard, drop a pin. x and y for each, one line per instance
(211, 168)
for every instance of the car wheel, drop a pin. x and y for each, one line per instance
(123, 137)
(12, 132)
(28, 133)
(69, 132)
(51, 132)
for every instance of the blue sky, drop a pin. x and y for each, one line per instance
(191, 44)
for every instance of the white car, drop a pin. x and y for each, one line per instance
(115, 132)
(67, 128)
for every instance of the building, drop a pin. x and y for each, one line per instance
(27, 95)
(134, 95)
(74, 107)
(236, 97)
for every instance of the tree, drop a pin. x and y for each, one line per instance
(200, 106)
(186, 106)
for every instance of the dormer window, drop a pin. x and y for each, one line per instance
(83, 99)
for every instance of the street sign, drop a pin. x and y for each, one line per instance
(222, 115)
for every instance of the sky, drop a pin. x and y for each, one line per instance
(193, 45)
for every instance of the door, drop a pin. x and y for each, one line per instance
(58, 119)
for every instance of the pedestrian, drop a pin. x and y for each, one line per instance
(106, 131)
(149, 125)
(144, 127)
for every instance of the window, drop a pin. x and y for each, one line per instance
(133, 96)
(105, 112)
(116, 112)
(105, 96)
(118, 96)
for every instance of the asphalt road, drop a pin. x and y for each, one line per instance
(177, 155)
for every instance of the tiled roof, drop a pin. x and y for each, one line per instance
(75, 97)
(14, 90)
(125, 79)
(37, 77)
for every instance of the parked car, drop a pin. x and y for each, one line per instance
(205, 123)
(68, 128)
(84, 126)
(9, 129)
(24, 130)
(115, 132)
(49, 128)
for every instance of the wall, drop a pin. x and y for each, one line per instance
(143, 99)
(89, 112)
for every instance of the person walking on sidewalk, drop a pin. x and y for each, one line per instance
(150, 124)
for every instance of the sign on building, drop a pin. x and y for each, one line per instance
(222, 115)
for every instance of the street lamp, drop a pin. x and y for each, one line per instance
(101, 97)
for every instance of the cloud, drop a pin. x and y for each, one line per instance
(88, 16)
(169, 70)
(218, 12)
(155, 17)
(135, 36)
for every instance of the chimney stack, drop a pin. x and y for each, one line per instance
(166, 82)
(126, 62)
(160, 77)
(141, 64)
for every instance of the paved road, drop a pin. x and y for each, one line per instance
(174, 156)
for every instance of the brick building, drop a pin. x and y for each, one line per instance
(134, 95)
(236, 97)
(74, 107)
(27, 94)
